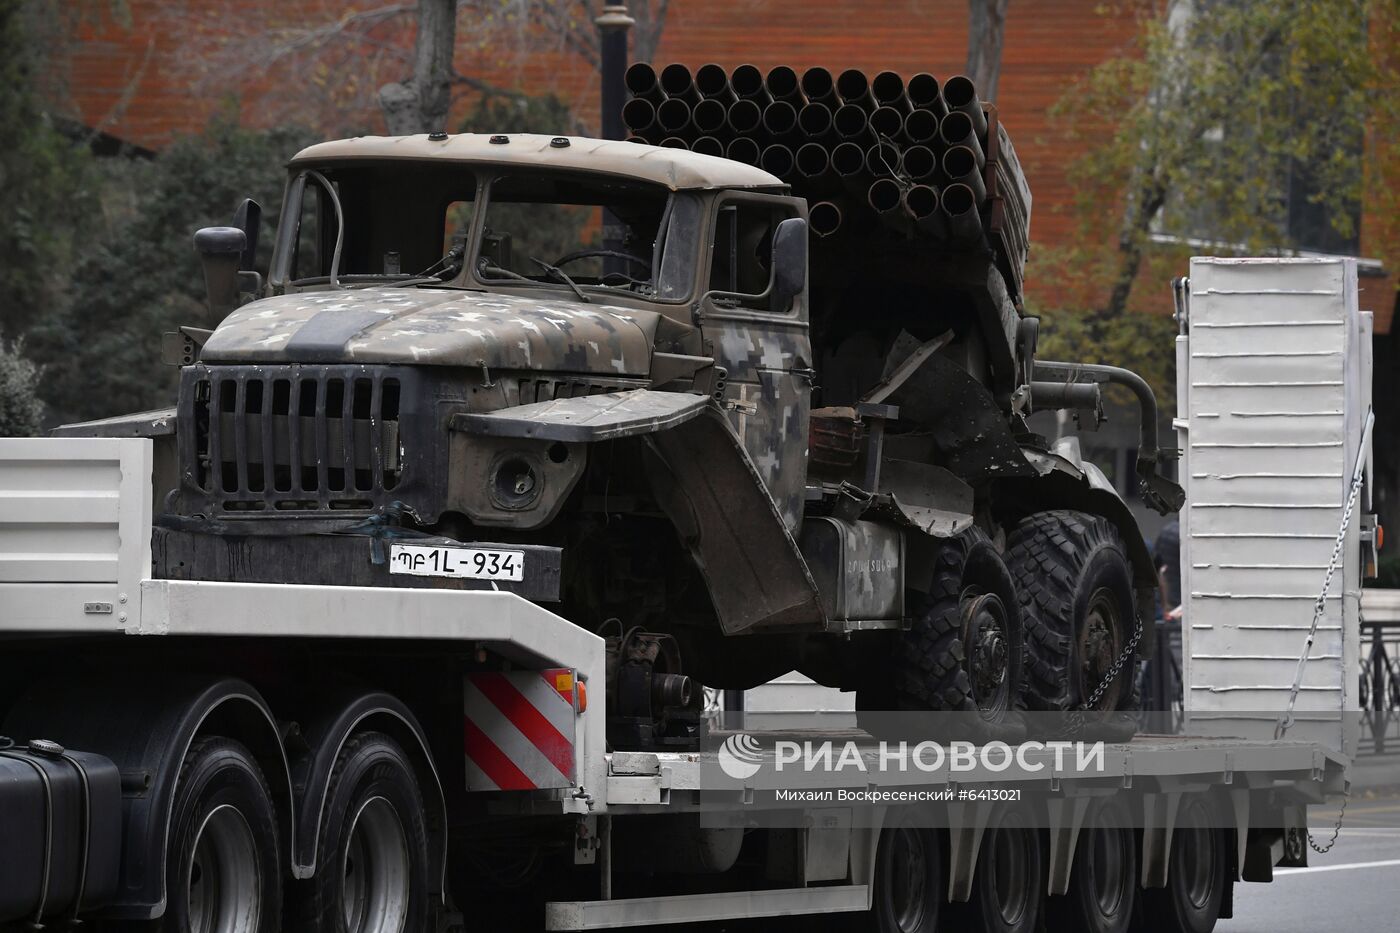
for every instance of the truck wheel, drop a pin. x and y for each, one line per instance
(963, 651)
(372, 857)
(1008, 891)
(1076, 591)
(224, 872)
(1191, 901)
(1103, 882)
(910, 880)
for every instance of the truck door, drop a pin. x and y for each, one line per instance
(765, 349)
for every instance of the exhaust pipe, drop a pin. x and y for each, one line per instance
(960, 94)
(677, 83)
(782, 84)
(957, 129)
(854, 88)
(882, 159)
(851, 122)
(960, 167)
(709, 116)
(922, 94)
(744, 117)
(712, 81)
(641, 82)
(779, 119)
(639, 116)
(888, 88)
(919, 163)
(920, 202)
(958, 207)
(777, 160)
(818, 87)
(747, 82)
(708, 145)
(674, 116)
(921, 127)
(825, 218)
(814, 121)
(743, 150)
(886, 123)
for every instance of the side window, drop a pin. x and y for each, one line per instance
(306, 260)
(742, 259)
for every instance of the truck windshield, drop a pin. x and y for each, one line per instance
(580, 232)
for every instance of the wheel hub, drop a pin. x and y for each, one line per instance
(909, 880)
(1099, 646)
(375, 890)
(224, 884)
(985, 629)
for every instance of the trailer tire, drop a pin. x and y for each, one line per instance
(1076, 593)
(1103, 883)
(223, 842)
(1196, 874)
(372, 867)
(1008, 890)
(910, 880)
(971, 596)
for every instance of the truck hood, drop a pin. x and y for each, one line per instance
(436, 327)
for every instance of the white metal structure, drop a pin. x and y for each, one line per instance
(1273, 389)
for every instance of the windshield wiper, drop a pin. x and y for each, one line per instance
(563, 276)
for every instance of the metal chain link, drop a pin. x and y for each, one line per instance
(1336, 829)
(1117, 666)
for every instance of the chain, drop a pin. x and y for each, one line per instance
(1358, 473)
(1116, 668)
(1336, 828)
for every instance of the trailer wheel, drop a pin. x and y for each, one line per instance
(1008, 891)
(910, 880)
(372, 857)
(1076, 592)
(224, 872)
(1103, 883)
(1195, 891)
(963, 651)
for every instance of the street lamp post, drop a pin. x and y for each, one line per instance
(613, 24)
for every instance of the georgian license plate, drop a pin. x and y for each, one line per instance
(469, 562)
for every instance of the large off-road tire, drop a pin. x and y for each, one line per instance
(223, 861)
(962, 653)
(372, 859)
(1076, 591)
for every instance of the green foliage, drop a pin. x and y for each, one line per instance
(139, 277)
(1204, 130)
(44, 177)
(21, 412)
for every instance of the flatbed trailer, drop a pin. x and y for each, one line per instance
(469, 716)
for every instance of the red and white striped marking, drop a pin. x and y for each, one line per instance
(520, 730)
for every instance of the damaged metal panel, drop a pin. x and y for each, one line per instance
(711, 491)
(587, 419)
(859, 569)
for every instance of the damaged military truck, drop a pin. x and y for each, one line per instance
(639, 383)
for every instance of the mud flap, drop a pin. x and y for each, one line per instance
(704, 480)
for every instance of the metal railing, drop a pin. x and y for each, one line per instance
(1379, 691)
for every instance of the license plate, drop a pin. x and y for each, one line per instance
(472, 563)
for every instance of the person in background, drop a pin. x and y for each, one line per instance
(1167, 557)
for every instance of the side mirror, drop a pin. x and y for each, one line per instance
(248, 218)
(789, 262)
(220, 252)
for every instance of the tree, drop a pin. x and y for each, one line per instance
(1225, 121)
(21, 412)
(420, 104)
(986, 26)
(139, 276)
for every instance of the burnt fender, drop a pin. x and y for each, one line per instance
(146, 725)
(707, 485)
(325, 732)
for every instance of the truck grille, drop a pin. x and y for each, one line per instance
(293, 438)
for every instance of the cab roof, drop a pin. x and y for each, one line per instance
(674, 168)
